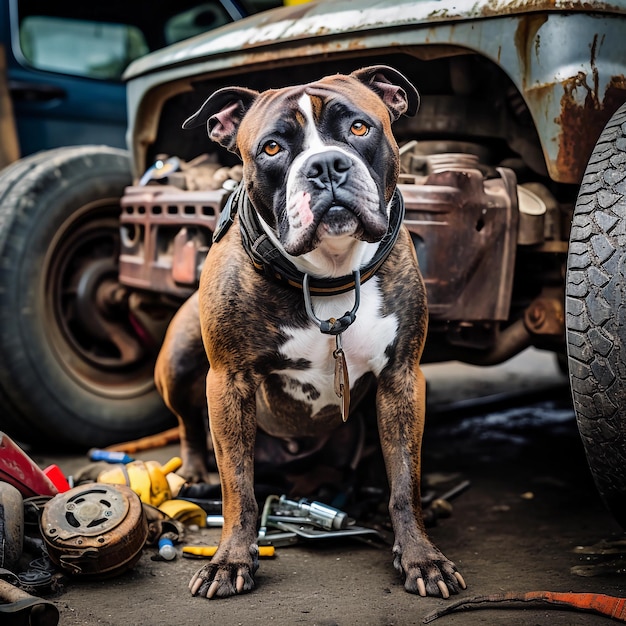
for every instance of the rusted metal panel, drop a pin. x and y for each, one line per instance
(571, 89)
(468, 224)
(342, 18)
(581, 124)
(452, 194)
(566, 61)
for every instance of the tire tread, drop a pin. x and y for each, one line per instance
(595, 309)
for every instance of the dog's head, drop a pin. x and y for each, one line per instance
(320, 161)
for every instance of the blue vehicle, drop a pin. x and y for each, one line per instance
(65, 61)
(87, 357)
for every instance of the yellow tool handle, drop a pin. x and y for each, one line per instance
(266, 552)
(172, 465)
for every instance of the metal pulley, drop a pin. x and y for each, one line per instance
(95, 530)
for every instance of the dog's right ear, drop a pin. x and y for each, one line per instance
(222, 113)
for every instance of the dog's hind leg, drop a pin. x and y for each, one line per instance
(180, 374)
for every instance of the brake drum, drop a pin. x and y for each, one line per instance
(95, 530)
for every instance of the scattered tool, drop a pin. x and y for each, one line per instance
(19, 470)
(202, 552)
(167, 551)
(147, 443)
(441, 507)
(598, 603)
(186, 512)
(109, 456)
(305, 520)
(315, 513)
(57, 478)
(148, 479)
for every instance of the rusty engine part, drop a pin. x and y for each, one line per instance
(464, 217)
(166, 233)
(546, 313)
(94, 530)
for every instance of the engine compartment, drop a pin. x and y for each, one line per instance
(491, 255)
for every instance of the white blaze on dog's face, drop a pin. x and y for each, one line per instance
(327, 162)
(330, 192)
(320, 161)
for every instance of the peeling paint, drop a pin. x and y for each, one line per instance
(527, 40)
(581, 124)
(563, 78)
(300, 23)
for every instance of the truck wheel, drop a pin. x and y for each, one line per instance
(75, 367)
(596, 314)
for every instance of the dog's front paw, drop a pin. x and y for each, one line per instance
(428, 572)
(222, 578)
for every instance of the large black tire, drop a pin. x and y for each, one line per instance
(596, 314)
(73, 369)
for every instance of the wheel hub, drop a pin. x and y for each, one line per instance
(102, 309)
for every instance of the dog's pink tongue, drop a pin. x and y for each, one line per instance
(303, 207)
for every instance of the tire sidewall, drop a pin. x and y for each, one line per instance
(40, 380)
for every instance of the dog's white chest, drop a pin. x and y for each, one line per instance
(364, 344)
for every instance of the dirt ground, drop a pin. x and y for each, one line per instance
(530, 504)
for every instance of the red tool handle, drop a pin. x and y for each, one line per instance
(19, 470)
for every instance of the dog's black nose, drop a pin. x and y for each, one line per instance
(328, 168)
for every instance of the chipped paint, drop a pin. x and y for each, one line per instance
(527, 42)
(562, 79)
(343, 17)
(581, 122)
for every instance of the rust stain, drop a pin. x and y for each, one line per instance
(527, 40)
(307, 53)
(581, 125)
(509, 7)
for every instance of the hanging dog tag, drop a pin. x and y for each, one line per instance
(342, 382)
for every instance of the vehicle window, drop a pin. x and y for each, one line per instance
(195, 21)
(80, 47)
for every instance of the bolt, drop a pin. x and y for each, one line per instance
(537, 315)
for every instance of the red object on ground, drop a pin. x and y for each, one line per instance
(599, 603)
(19, 470)
(57, 478)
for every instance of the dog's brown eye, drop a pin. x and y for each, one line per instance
(271, 148)
(359, 129)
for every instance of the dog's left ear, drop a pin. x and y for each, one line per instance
(395, 90)
(222, 112)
